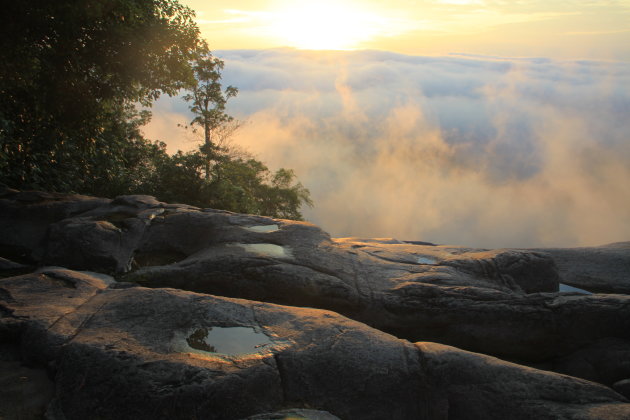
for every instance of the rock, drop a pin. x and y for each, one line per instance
(476, 386)
(31, 304)
(623, 387)
(529, 328)
(6, 265)
(605, 361)
(133, 352)
(295, 414)
(138, 201)
(24, 392)
(602, 269)
(10, 268)
(498, 302)
(96, 245)
(25, 218)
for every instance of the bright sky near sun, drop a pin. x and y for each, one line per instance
(553, 28)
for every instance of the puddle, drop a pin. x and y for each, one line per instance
(426, 260)
(262, 228)
(267, 250)
(231, 341)
(567, 288)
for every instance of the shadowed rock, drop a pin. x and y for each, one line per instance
(498, 302)
(122, 353)
(602, 269)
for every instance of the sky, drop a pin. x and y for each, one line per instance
(475, 123)
(551, 28)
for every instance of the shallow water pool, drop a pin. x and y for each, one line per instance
(231, 341)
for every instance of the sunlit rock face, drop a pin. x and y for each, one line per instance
(119, 351)
(503, 303)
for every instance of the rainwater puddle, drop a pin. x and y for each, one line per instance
(426, 260)
(267, 250)
(567, 288)
(262, 228)
(231, 341)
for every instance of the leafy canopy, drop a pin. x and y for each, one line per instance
(72, 71)
(72, 75)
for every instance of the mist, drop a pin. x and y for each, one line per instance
(463, 150)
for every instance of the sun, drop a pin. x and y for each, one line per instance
(322, 25)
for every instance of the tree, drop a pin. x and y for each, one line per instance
(245, 185)
(233, 181)
(72, 74)
(208, 103)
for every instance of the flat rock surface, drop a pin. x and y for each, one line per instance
(163, 342)
(130, 352)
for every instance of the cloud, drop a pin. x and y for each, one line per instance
(468, 150)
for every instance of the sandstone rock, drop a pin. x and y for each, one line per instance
(526, 328)
(605, 361)
(498, 302)
(25, 217)
(482, 387)
(93, 244)
(131, 352)
(602, 269)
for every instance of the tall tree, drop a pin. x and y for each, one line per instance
(208, 103)
(71, 73)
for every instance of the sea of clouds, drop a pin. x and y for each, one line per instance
(461, 149)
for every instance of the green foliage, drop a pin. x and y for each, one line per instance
(243, 185)
(207, 95)
(72, 75)
(72, 72)
(208, 102)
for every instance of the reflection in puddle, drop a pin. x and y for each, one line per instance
(262, 228)
(426, 260)
(567, 288)
(267, 250)
(228, 340)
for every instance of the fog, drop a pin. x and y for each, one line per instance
(463, 150)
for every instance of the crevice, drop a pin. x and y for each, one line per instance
(253, 309)
(76, 309)
(84, 322)
(283, 379)
(336, 337)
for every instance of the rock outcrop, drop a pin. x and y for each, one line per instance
(503, 303)
(601, 269)
(119, 351)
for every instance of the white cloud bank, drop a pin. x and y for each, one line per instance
(466, 150)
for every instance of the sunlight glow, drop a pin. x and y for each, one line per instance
(325, 25)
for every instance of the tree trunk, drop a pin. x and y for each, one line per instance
(206, 129)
